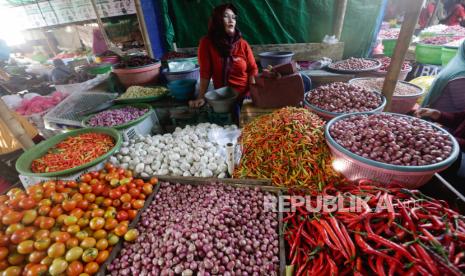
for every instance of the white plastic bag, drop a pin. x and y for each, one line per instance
(12, 101)
(180, 66)
(330, 39)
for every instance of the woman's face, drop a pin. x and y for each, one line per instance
(229, 20)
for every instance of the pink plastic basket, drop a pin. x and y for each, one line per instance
(139, 75)
(402, 75)
(355, 167)
(400, 104)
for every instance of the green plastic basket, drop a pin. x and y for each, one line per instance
(389, 46)
(428, 54)
(448, 53)
(23, 164)
(99, 69)
(128, 124)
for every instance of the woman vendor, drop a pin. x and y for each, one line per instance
(446, 93)
(225, 56)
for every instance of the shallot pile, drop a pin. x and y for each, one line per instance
(342, 97)
(116, 117)
(354, 64)
(402, 88)
(438, 40)
(185, 152)
(392, 139)
(386, 61)
(389, 34)
(203, 230)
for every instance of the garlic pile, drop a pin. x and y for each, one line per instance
(185, 152)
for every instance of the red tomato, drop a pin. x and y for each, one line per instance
(85, 188)
(153, 180)
(123, 189)
(27, 203)
(72, 184)
(115, 194)
(126, 206)
(69, 205)
(83, 204)
(95, 174)
(138, 204)
(116, 202)
(74, 268)
(56, 211)
(20, 235)
(132, 214)
(134, 193)
(86, 178)
(12, 217)
(125, 198)
(122, 215)
(147, 188)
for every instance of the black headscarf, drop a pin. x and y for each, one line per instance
(220, 39)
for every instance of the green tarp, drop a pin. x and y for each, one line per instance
(275, 22)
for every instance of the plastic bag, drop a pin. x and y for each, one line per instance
(12, 101)
(322, 63)
(330, 39)
(180, 66)
(224, 136)
(424, 82)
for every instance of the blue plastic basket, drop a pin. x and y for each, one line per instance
(182, 90)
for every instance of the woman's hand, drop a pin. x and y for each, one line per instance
(428, 113)
(197, 102)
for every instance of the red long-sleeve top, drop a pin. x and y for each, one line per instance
(455, 121)
(242, 67)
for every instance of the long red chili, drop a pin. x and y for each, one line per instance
(426, 258)
(391, 245)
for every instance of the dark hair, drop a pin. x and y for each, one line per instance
(217, 33)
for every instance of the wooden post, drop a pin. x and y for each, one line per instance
(100, 24)
(143, 28)
(403, 42)
(15, 127)
(340, 13)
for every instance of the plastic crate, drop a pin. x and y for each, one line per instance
(71, 110)
(83, 86)
(147, 126)
(28, 181)
(355, 167)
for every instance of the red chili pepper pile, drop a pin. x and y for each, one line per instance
(287, 146)
(397, 231)
(73, 151)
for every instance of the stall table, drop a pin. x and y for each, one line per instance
(321, 77)
(249, 112)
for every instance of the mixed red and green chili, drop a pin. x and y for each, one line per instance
(288, 147)
(73, 151)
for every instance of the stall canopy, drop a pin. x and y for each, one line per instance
(276, 22)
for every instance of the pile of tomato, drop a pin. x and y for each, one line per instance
(69, 227)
